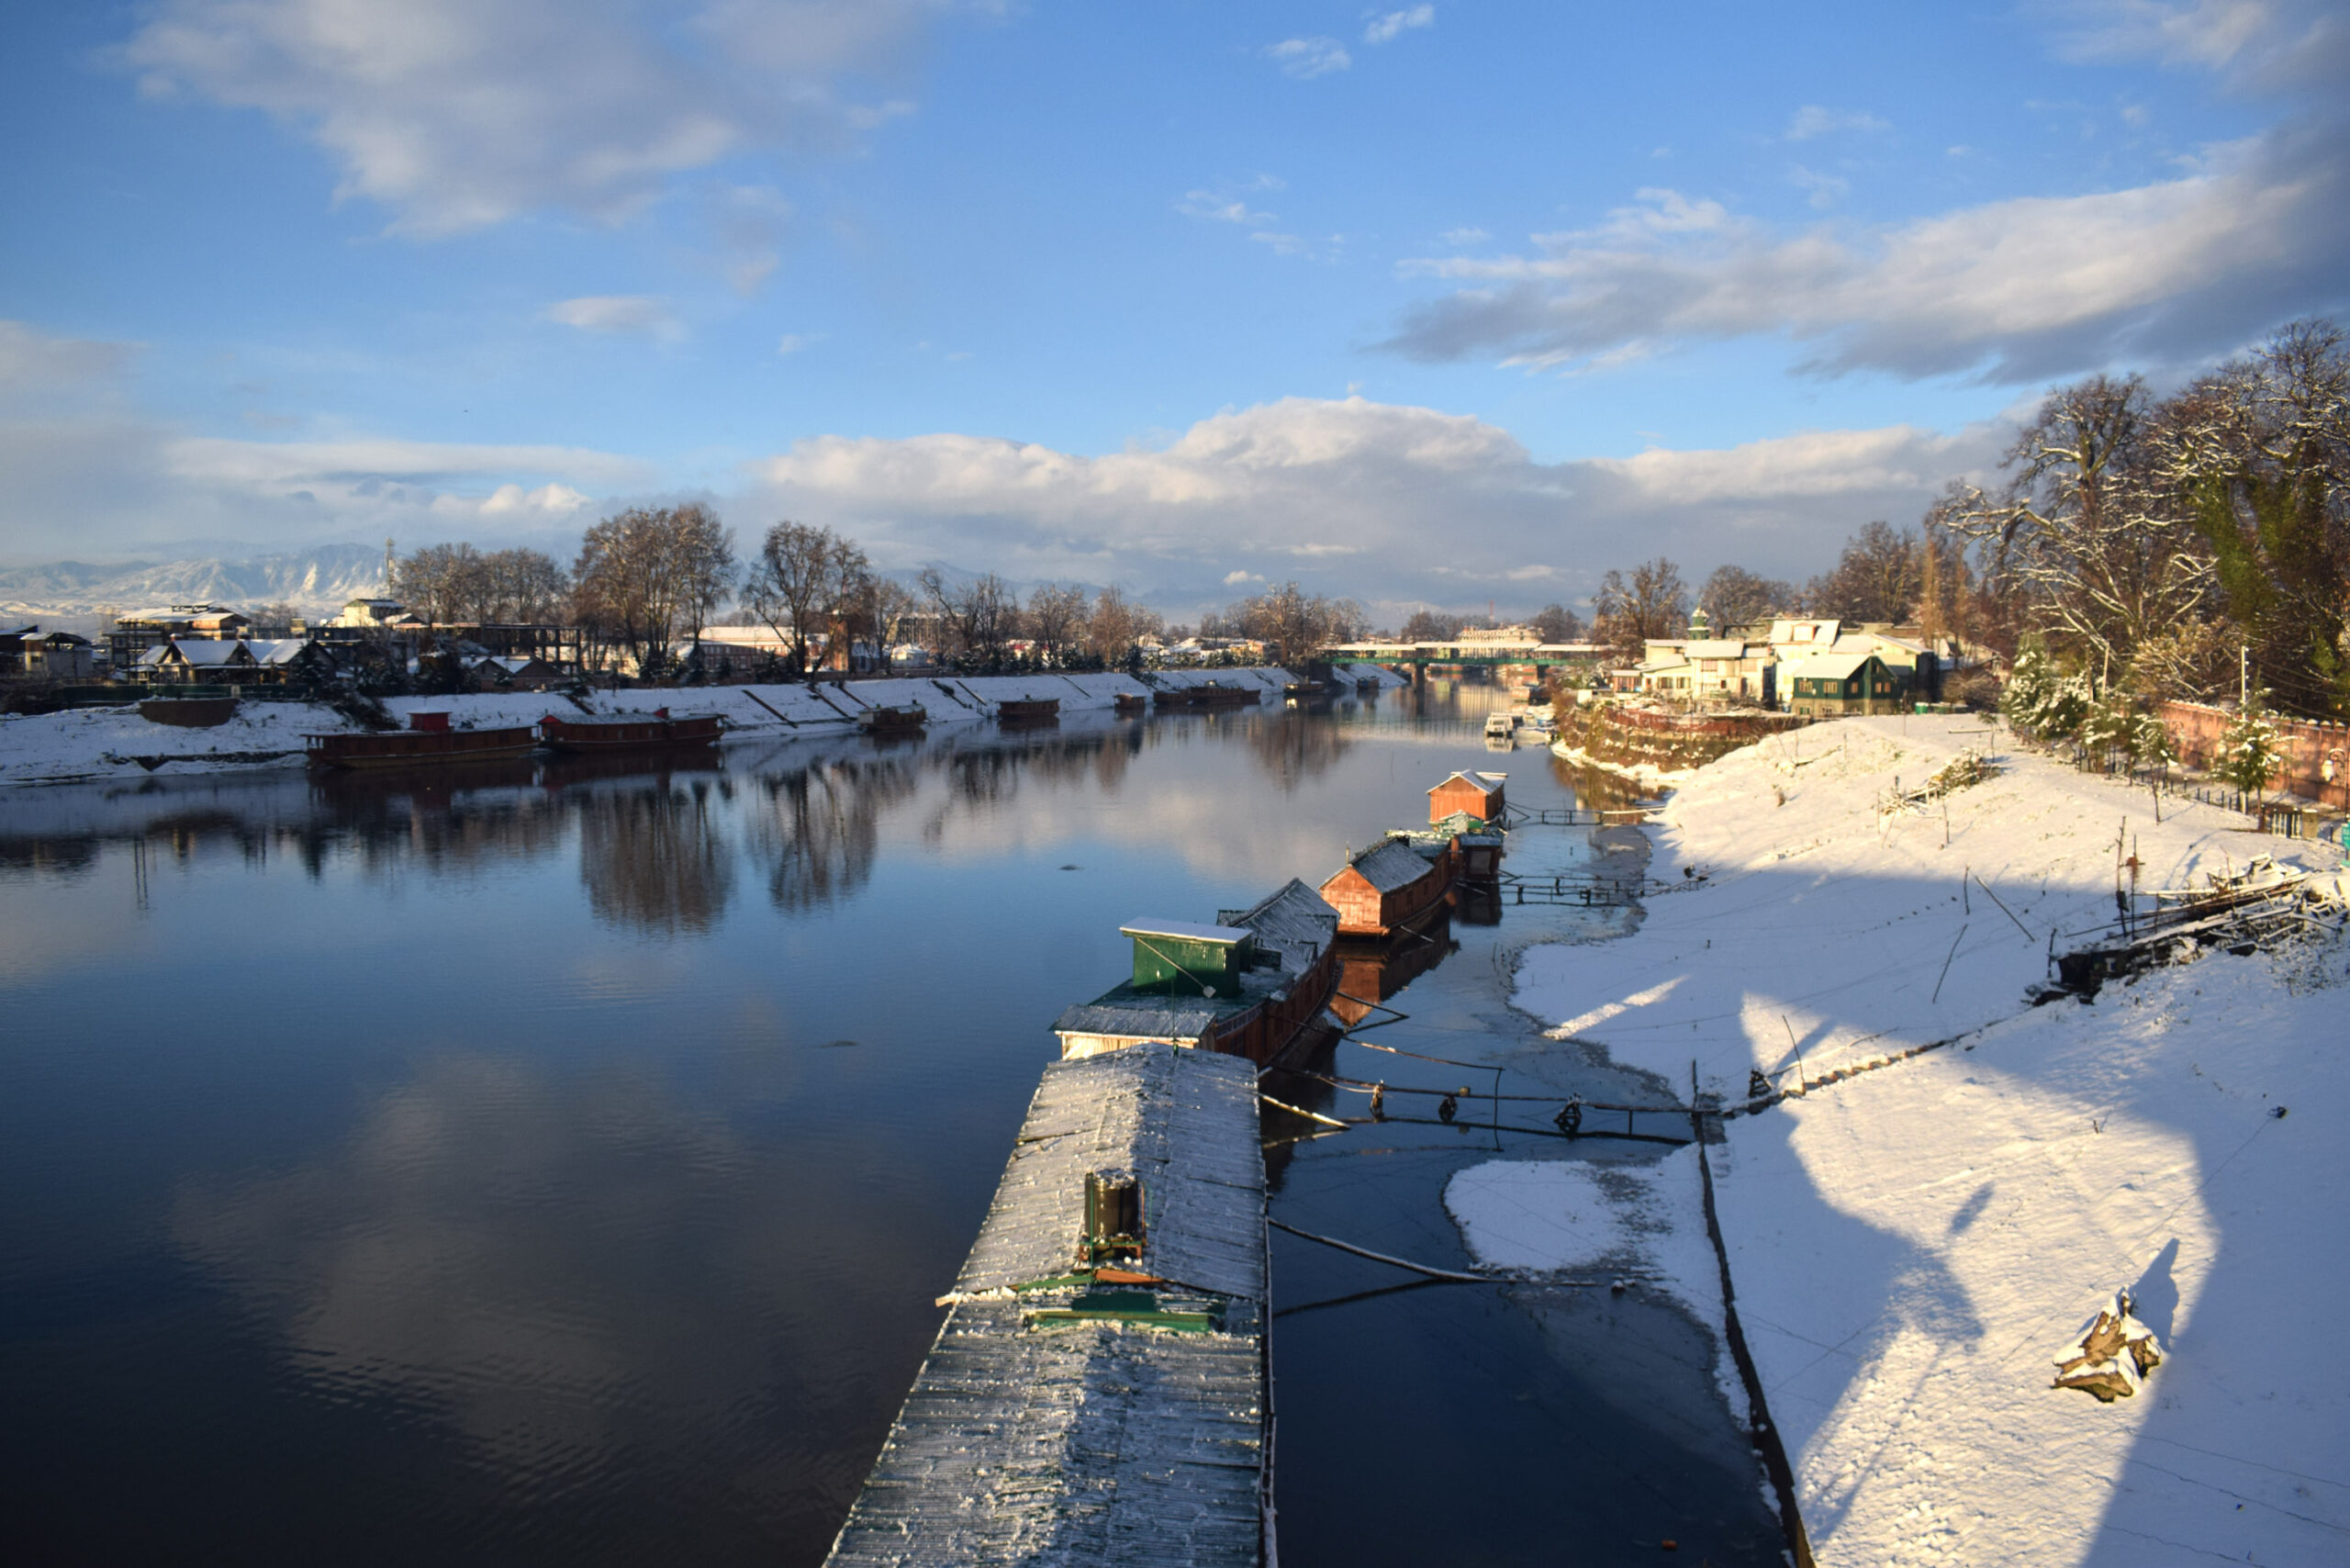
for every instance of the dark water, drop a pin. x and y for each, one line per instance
(543, 1167)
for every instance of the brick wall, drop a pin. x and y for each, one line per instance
(2197, 731)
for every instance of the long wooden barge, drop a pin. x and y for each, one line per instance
(429, 741)
(1099, 1391)
(658, 731)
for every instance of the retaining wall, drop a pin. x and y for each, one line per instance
(2195, 729)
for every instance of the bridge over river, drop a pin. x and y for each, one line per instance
(1419, 655)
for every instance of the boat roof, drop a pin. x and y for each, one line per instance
(1185, 931)
(1484, 783)
(1393, 865)
(1124, 1013)
(1182, 1122)
(1295, 922)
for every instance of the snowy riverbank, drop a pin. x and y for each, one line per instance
(108, 743)
(1910, 1247)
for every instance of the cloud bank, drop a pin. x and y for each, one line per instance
(459, 114)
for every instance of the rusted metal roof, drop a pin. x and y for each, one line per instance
(1035, 1434)
(1393, 865)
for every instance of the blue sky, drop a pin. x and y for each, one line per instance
(1440, 303)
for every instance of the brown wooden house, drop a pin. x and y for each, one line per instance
(1386, 888)
(1478, 794)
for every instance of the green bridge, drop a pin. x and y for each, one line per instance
(1421, 655)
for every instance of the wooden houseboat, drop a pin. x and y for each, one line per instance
(428, 741)
(658, 731)
(1215, 694)
(1479, 794)
(1477, 846)
(1253, 985)
(1391, 886)
(1132, 704)
(1015, 711)
(1099, 1391)
(905, 719)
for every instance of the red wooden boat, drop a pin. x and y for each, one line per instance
(628, 734)
(427, 740)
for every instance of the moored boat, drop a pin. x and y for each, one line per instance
(1017, 711)
(629, 734)
(428, 740)
(904, 718)
(1131, 703)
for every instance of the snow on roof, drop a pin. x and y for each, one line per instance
(1717, 648)
(1484, 783)
(1827, 666)
(277, 650)
(1393, 865)
(1125, 1014)
(1184, 931)
(1183, 1122)
(1296, 923)
(1092, 1440)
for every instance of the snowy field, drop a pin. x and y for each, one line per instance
(109, 742)
(1912, 1247)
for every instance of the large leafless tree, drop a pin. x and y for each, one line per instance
(805, 579)
(649, 574)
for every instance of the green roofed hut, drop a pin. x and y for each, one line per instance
(1249, 985)
(1098, 1393)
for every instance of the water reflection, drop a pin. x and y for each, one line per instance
(1297, 746)
(819, 827)
(653, 856)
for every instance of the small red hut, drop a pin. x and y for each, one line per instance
(1383, 890)
(1477, 794)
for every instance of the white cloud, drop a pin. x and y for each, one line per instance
(2254, 45)
(457, 113)
(1218, 209)
(627, 315)
(1812, 120)
(1826, 190)
(1304, 58)
(1465, 237)
(1386, 27)
(2012, 290)
(749, 223)
(790, 343)
(1344, 495)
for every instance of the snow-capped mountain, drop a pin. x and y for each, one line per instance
(315, 581)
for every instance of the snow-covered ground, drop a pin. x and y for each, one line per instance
(103, 743)
(1911, 1248)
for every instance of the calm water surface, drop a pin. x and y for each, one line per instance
(558, 1167)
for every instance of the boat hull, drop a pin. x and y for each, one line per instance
(628, 735)
(419, 748)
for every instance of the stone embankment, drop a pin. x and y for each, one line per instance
(1654, 743)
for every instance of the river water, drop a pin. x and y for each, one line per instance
(539, 1167)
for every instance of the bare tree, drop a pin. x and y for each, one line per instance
(648, 575)
(1654, 604)
(804, 576)
(977, 617)
(1056, 620)
(1115, 629)
(1733, 597)
(1295, 625)
(1878, 576)
(1557, 624)
(1428, 626)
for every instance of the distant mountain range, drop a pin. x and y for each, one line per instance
(65, 593)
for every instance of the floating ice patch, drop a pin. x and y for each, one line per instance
(1556, 1216)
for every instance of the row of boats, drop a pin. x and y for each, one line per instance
(1099, 1390)
(1257, 982)
(431, 738)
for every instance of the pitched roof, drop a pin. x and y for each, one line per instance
(1295, 922)
(1126, 1013)
(277, 650)
(1393, 865)
(207, 652)
(1717, 648)
(1484, 783)
(1827, 666)
(1184, 931)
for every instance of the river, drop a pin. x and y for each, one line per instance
(558, 1167)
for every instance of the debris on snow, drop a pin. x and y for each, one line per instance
(2113, 1354)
